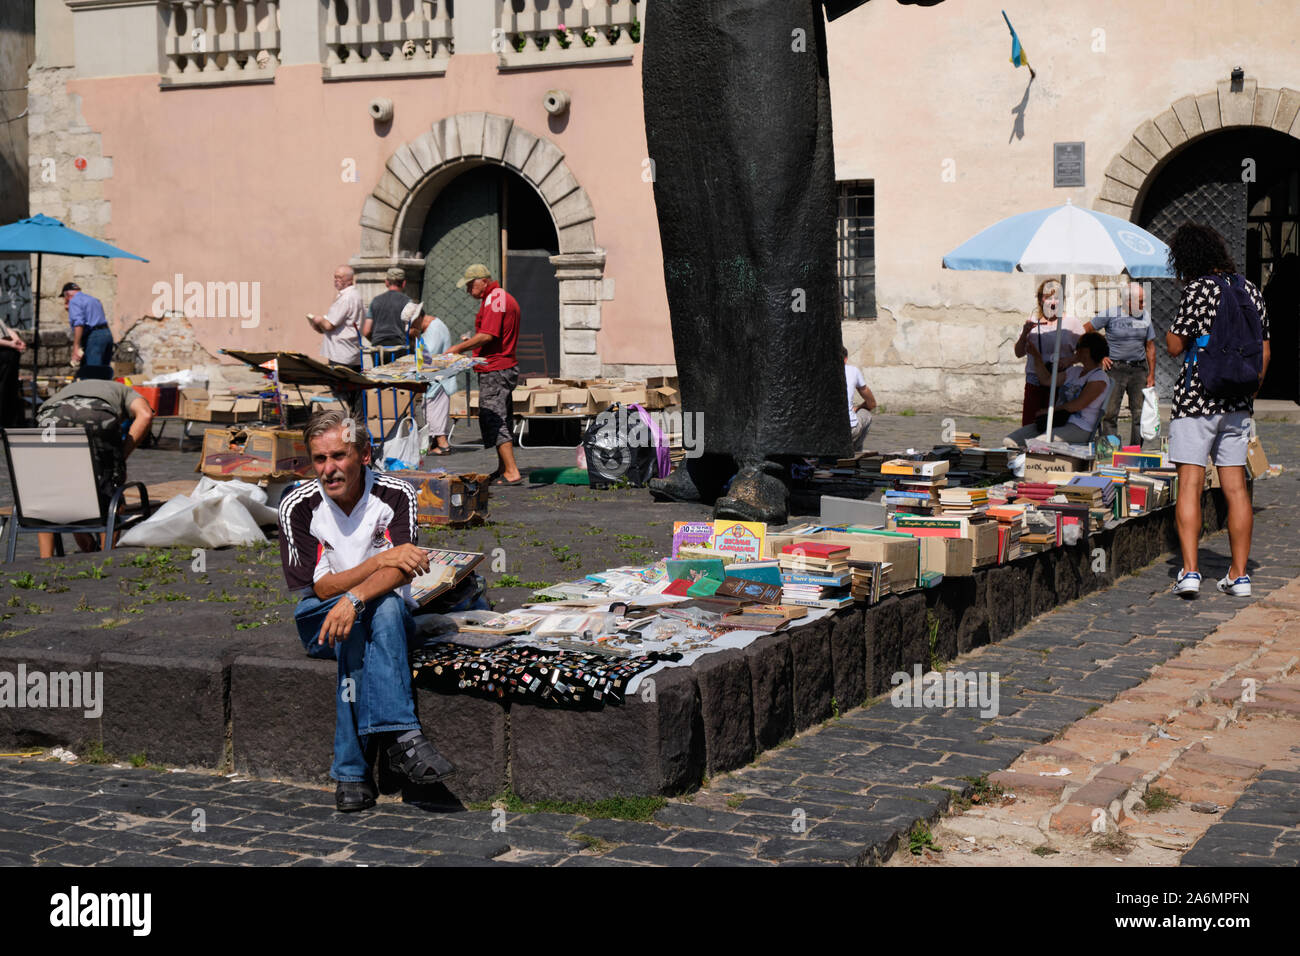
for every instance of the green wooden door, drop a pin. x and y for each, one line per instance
(463, 227)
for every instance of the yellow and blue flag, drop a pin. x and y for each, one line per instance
(1018, 56)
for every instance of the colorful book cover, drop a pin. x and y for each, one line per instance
(765, 572)
(704, 587)
(695, 569)
(744, 539)
(691, 532)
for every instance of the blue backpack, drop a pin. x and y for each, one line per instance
(1231, 357)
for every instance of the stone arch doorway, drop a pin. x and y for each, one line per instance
(1231, 160)
(395, 215)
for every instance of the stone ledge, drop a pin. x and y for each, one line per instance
(203, 700)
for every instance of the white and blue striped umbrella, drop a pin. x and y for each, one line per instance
(1064, 240)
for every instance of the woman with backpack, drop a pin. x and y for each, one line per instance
(1221, 331)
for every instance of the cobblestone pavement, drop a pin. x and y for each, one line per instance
(1261, 829)
(847, 792)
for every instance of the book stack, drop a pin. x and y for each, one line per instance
(762, 617)
(911, 499)
(1033, 542)
(815, 574)
(1034, 491)
(870, 580)
(964, 502)
(1095, 491)
(966, 440)
(1011, 522)
(997, 460)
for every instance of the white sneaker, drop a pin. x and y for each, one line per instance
(1238, 588)
(1188, 584)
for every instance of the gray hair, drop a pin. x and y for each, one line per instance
(329, 419)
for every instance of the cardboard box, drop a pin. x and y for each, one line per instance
(985, 536)
(123, 368)
(254, 453)
(194, 404)
(951, 557)
(232, 408)
(395, 404)
(446, 499)
(1041, 467)
(900, 550)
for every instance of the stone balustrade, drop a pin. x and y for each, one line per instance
(218, 41)
(529, 32)
(387, 38)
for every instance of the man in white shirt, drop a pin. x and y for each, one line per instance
(348, 547)
(859, 419)
(341, 323)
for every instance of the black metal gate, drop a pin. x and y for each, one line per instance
(1221, 206)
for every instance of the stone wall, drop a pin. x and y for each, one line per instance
(58, 137)
(166, 344)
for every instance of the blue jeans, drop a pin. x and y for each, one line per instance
(374, 677)
(97, 343)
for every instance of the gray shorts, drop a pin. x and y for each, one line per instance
(495, 406)
(1193, 440)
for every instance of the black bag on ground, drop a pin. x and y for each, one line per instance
(1230, 364)
(618, 446)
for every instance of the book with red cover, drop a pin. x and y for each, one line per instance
(678, 587)
(816, 549)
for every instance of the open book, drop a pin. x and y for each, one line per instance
(446, 570)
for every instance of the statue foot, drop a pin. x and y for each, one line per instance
(756, 494)
(679, 486)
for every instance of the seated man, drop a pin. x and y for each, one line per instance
(106, 407)
(859, 418)
(347, 542)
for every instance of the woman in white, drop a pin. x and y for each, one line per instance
(434, 338)
(1081, 392)
(1041, 330)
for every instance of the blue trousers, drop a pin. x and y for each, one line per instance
(97, 343)
(374, 676)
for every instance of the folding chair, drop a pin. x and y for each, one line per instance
(52, 473)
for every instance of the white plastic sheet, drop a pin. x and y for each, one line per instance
(214, 515)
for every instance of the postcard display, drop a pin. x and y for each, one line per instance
(594, 641)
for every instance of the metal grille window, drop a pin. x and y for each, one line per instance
(855, 243)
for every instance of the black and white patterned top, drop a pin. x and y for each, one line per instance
(1196, 312)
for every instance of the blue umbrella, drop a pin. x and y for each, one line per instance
(41, 235)
(1063, 240)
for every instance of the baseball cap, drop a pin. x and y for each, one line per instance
(395, 274)
(70, 287)
(476, 271)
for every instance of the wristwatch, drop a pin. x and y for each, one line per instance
(358, 605)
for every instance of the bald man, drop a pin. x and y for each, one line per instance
(341, 323)
(1132, 363)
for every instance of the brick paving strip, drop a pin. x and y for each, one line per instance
(1214, 727)
(847, 792)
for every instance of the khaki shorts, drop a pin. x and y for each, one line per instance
(1193, 440)
(496, 406)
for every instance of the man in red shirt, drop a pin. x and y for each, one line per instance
(496, 330)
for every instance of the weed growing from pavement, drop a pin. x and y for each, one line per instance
(920, 839)
(932, 626)
(735, 800)
(95, 753)
(1157, 799)
(595, 844)
(640, 809)
(1044, 851)
(1116, 841)
(983, 793)
(508, 581)
(24, 582)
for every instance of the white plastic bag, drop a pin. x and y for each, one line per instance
(402, 448)
(214, 515)
(1150, 414)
